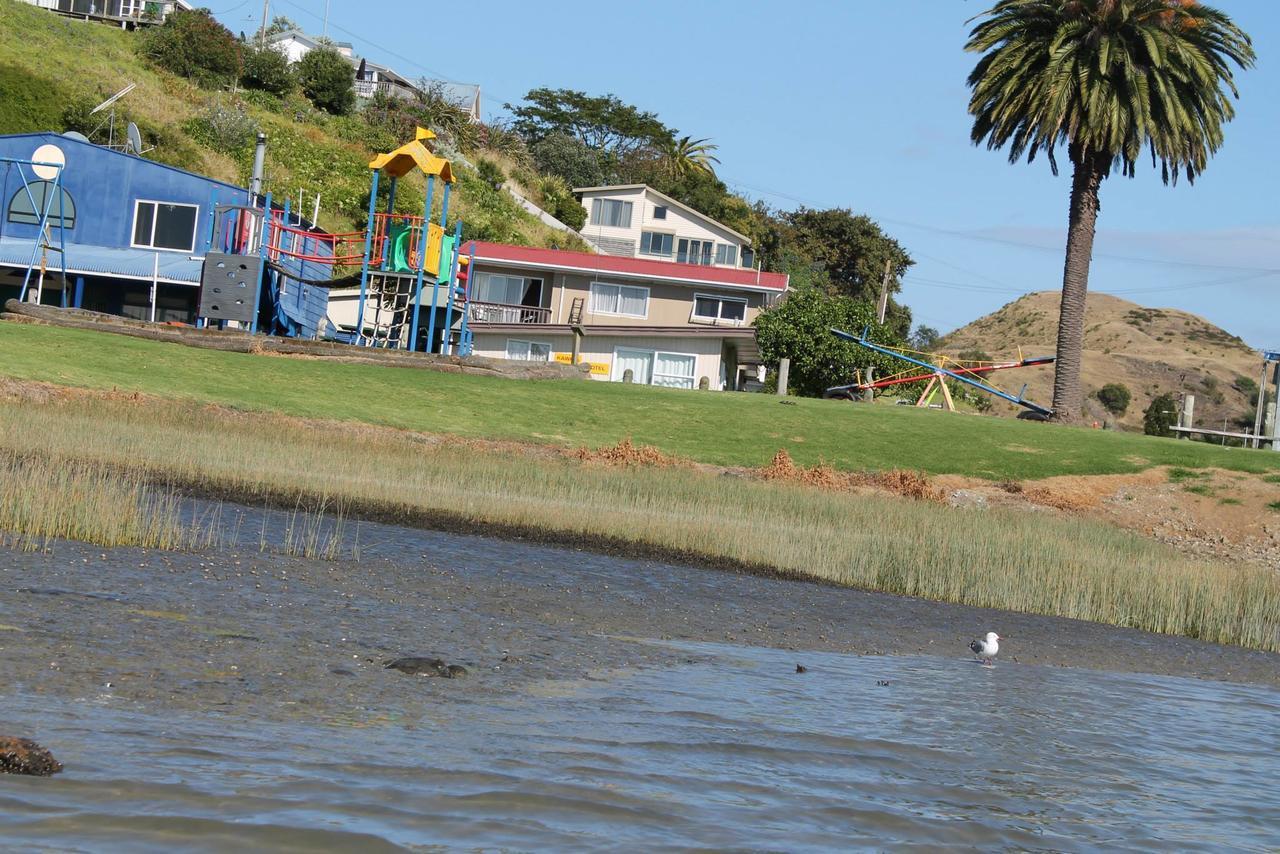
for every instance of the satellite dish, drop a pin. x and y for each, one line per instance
(134, 140)
(77, 136)
(51, 155)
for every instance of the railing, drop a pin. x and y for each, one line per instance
(369, 88)
(497, 312)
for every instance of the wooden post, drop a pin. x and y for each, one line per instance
(884, 289)
(1269, 429)
(784, 372)
(1188, 414)
(946, 393)
(1260, 404)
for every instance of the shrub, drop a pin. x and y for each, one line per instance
(559, 201)
(194, 45)
(224, 127)
(267, 69)
(490, 172)
(569, 158)
(1246, 386)
(1160, 415)
(1114, 397)
(328, 79)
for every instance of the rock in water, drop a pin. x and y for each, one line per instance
(21, 756)
(417, 666)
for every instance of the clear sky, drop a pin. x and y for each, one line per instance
(861, 104)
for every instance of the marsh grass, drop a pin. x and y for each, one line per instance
(991, 558)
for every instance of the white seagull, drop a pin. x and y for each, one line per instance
(987, 648)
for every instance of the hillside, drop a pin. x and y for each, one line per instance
(51, 67)
(1149, 350)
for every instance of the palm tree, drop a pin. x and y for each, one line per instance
(1105, 79)
(685, 155)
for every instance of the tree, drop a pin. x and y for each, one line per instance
(1104, 78)
(569, 158)
(924, 338)
(682, 156)
(602, 123)
(328, 79)
(799, 328)
(852, 248)
(1115, 398)
(1160, 415)
(266, 68)
(279, 24)
(194, 45)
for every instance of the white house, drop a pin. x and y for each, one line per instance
(636, 221)
(127, 12)
(295, 44)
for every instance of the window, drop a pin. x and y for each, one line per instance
(654, 243)
(160, 225)
(726, 253)
(611, 212)
(727, 309)
(619, 299)
(695, 251)
(528, 351)
(659, 211)
(654, 367)
(508, 290)
(748, 257)
(22, 210)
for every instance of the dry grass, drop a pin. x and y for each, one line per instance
(991, 558)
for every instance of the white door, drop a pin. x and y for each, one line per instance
(640, 362)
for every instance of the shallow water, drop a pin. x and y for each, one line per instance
(731, 749)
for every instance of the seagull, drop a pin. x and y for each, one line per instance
(987, 648)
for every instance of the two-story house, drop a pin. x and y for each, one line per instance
(636, 221)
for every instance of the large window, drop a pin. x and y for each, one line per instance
(160, 225)
(726, 253)
(695, 251)
(619, 299)
(611, 212)
(748, 257)
(508, 290)
(654, 367)
(31, 201)
(528, 351)
(719, 309)
(655, 243)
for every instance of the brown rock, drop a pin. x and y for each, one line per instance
(21, 756)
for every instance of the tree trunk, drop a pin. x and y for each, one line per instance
(1090, 170)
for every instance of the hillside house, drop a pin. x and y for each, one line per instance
(128, 13)
(135, 234)
(666, 322)
(637, 221)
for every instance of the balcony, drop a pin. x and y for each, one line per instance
(498, 312)
(369, 88)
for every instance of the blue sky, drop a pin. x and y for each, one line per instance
(861, 104)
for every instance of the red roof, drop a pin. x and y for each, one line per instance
(585, 262)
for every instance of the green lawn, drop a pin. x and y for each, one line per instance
(725, 429)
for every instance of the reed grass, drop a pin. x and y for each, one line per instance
(994, 558)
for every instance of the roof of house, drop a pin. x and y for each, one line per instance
(91, 259)
(675, 203)
(466, 93)
(309, 41)
(637, 268)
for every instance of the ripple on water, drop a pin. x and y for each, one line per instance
(735, 750)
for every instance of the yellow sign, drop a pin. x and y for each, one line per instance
(598, 369)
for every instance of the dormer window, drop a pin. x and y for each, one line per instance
(659, 211)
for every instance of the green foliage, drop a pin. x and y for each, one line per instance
(194, 45)
(851, 247)
(328, 79)
(799, 328)
(924, 339)
(225, 127)
(1246, 386)
(500, 139)
(491, 173)
(603, 123)
(1114, 397)
(559, 201)
(29, 101)
(685, 155)
(1160, 415)
(429, 108)
(280, 24)
(568, 158)
(267, 69)
(1178, 474)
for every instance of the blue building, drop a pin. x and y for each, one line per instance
(135, 235)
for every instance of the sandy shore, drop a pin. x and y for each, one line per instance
(280, 636)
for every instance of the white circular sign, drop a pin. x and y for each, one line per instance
(48, 154)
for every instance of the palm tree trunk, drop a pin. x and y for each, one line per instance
(1090, 170)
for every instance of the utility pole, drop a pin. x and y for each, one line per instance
(884, 290)
(262, 33)
(325, 32)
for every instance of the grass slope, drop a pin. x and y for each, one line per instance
(723, 429)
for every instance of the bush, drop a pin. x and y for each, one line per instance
(559, 201)
(194, 45)
(567, 157)
(224, 127)
(328, 79)
(490, 172)
(266, 69)
(1247, 387)
(1114, 397)
(1160, 415)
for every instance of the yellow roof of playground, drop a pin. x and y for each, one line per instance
(413, 155)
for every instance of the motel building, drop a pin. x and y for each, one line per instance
(670, 296)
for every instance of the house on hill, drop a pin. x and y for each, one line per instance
(637, 221)
(128, 13)
(655, 321)
(133, 232)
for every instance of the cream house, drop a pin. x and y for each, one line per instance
(636, 221)
(650, 321)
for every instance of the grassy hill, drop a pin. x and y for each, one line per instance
(1149, 350)
(718, 428)
(50, 64)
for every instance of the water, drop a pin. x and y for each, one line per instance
(730, 750)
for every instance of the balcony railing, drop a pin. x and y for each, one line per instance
(369, 88)
(497, 312)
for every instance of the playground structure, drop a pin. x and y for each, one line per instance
(935, 375)
(1266, 424)
(46, 166)
(389, 262)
